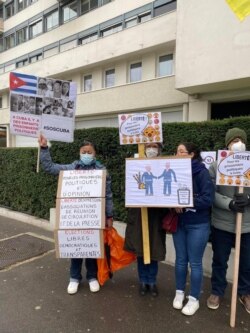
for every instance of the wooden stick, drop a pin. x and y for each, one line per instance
(236, 264)
(38, 159)
(144, 219)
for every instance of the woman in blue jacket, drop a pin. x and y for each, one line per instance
(192, 233)
(87, 161)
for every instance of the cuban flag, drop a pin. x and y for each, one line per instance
(23, 83)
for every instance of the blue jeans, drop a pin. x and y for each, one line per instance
(190, 242)
(222, 243)
(167, 188)
(147, 273)
(76, 268)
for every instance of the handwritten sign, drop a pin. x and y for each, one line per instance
(79, 243)
(80, 213)
(42, 104)
(233, 168)
(208, 157)
(140, 128)
(161, 182)
(81, 184)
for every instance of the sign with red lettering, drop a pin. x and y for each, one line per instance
(44, 105)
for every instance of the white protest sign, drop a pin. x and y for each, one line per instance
(140, 128)
(81, 184)
(233, 168)
(161, 182)
(208, 157)
(42, 104)
(79, 243)
(80, 213)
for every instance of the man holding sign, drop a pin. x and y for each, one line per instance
(228, 203)
(87, 161)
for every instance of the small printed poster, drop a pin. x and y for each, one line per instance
(80, 213)
(159, 182)
(81, 184)
(39, 104)
(233, 168)
(208, 157)
(79, 243)
(140, 128)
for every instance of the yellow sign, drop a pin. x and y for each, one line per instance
(241, 8)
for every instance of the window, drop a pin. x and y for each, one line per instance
(131, 22)
(69, 11)
(50, 52)
(88, 39)
(144, 17)
(165, 8)
(36, 57)
(68, 45)
(87, 5)
(1, 102)
(165, 65)
(1, 44)
(9, 10)
(52, 20)
(87, 82)
(10, 41)
(136, 72)
(111, 30)
(22, 63)
(36, 28)
(22, 36)
(109, 78)
(21, 4)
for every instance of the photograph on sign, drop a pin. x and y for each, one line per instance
(80, 213)
(161, 182)
(79, 243)
(233, 168)
(140, 128)
(208, 157)
(42, 104)
(81, 184)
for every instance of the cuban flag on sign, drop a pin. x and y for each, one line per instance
(23, 83)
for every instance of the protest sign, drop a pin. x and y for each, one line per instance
(233, 168)
(80, 213)
(81, 184)
(42, 105)
(79, 243)
(208, 157)
(161, 182)
(140, 128)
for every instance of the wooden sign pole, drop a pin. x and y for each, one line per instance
(236, 265)
(144, 218)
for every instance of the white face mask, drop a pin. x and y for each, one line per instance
(151, 152)
(238, 146)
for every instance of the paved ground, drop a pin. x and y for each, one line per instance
(33, 299)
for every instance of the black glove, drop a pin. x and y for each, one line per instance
(236, 207)
(243, 199)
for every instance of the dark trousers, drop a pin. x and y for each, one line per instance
(147, 272)
(222, 243)
(76, 268)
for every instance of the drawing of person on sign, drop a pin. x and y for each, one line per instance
(147, 179)
(168, 175)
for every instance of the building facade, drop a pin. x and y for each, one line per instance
(128, 56)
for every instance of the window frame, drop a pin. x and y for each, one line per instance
(106, 85)
(130, 71)
(68, 6)
(50, 14)
(159, 66)
(85, 80)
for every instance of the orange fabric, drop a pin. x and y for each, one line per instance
(119, 258)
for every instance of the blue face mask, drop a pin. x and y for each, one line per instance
(87, 159)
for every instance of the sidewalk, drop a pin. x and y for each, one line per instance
(33, 299)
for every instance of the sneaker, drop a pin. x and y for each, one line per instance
(191, 307)
(72, 287)
(178, 300)
(213, 302)
(245, 300)
(94, 286)
(153, 290)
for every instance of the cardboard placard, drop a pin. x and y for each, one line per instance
(79, 243)
(80, 213)
(81, 184)
(159, 182)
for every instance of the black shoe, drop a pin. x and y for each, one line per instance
(143, 289)
(153, 290)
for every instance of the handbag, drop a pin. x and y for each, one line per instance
(170, 221)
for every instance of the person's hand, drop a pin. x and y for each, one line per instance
(42, 141)
(178, 210)
(236, 207)
(109, 222)
(242, 199)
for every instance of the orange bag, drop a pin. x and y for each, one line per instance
(115, 256)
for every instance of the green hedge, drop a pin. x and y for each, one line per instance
(23, 189)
